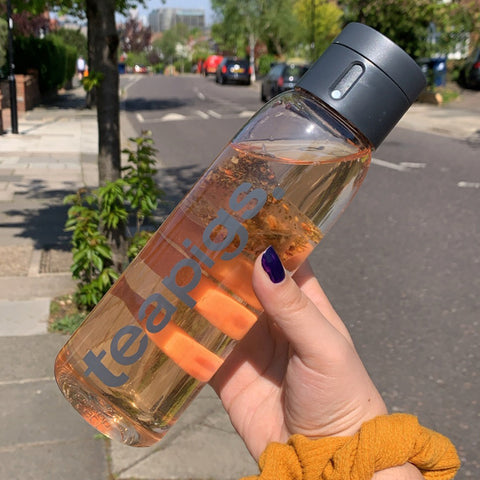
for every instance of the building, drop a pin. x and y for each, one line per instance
(163, 19)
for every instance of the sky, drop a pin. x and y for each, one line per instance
(154, 4)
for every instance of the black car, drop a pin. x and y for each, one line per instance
(281, 77)
(231, 70)
(470, 71)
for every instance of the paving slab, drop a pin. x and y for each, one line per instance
(424, 118)
(41, 437)
(42, 286)
(23, 318)
(201, 445)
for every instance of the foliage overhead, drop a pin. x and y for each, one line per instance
(166, 45)
(134, 37)
(421, 27)
(75, 38)
(311, 27)
(320, 22)
(270, 21)
(26, 24)
(73, 7)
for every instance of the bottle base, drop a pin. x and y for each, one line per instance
(103, 415)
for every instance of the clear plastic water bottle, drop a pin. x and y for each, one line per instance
(168, 323)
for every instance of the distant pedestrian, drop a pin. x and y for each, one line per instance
(80, 67)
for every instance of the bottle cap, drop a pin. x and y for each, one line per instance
(367, 79)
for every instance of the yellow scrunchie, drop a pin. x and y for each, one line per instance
(383, 442)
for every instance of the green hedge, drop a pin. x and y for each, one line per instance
(265, 63)
(54, 61)
(3, 42)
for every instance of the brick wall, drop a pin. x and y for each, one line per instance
(28, 93)
(4, 103)
(4, 94)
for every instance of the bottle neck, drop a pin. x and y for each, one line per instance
(356, 137)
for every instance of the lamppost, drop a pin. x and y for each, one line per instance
(11, 71)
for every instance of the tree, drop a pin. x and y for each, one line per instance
(249, 21)
(420, 27)
(281, 34)
(320, 22)
(27, 24)
(134, 37)
(167, 45)
(74, 38)
(103, 44)
(473, 9)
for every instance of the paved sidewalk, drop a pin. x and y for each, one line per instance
(41, 437)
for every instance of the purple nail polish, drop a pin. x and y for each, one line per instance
(273, 265)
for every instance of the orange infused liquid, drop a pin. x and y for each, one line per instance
(168, 323)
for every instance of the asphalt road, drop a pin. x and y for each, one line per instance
(401, 265)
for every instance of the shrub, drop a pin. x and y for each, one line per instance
(264, 64)
(50, 56)
(3, 42)
(133, 197)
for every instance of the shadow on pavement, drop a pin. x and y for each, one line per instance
(175, 183)
(45, 226)
(39, 215)
(141, 103)
(76, 99)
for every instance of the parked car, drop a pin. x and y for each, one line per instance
(281, 77)
(140, 69)
(211, 63)
(232, 70)
(470, 71)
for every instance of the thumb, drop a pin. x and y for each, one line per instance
(302, 323)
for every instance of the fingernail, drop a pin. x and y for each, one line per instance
(273, 265)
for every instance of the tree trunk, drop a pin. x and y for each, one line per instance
(103, 43)
(101, 22)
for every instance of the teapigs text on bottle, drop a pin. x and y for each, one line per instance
(244, 199)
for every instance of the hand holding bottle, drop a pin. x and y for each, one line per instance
(297, 370)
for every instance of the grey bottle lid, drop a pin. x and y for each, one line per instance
(367, 79)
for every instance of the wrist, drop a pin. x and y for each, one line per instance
(385, 448)
(407, 471)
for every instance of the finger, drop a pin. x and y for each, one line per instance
(303, 324)
(305, 278)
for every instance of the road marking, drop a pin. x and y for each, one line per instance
(194, 115)
(202, 114)
(128, 85)
(392, 166)
(169, 117)
(468, 184)
(199, 94)
(413, 164)
(214, 114)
